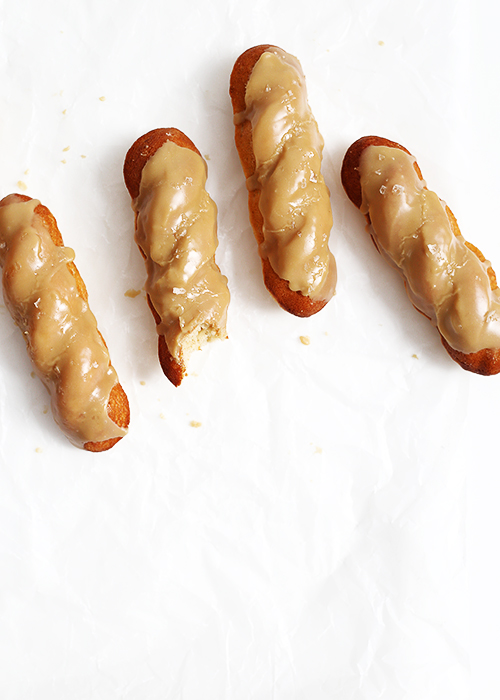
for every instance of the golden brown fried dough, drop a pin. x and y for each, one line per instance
(176, 231)
(280, 149)
(48, 300)
(447, 278)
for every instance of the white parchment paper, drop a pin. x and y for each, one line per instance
(289, 523)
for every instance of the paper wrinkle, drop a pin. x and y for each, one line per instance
(288, 523)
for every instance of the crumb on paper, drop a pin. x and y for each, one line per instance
(305, 340)
(102, 98)
(163, 416)
(317, 450)
(381, 43)
(415, 356)
(82, 156)
(132, 293)
(142, 382)
(67, 148)
(195, 424)
(207, 156)
(22, 185)
(65, 111)
(63, 161)
(45, 409)
(38, 450)
(32, 375)
(26, 171)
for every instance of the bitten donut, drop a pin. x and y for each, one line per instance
(447, 278)
(176, 231)
(48, 300)
(280, 149)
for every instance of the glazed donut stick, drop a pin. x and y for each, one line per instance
(176, 231)
(280, 149)
(447, 279)
(47, 299)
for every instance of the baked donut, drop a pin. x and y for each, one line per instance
(447, 278)
(280, 149)
(48, 300)
(176, 231)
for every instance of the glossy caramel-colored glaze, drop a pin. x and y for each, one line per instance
(447, 278)
(280, 149)
(176, 231)
(48, 300)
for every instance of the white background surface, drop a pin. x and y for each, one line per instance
(328, 531)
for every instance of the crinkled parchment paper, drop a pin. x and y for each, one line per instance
(290, 522)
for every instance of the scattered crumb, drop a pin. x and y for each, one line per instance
(22, 185)
(45, 409)
(39, 450)
(207, 157)
(195, 424)
(317, 450)
(132, 293)
(381, 43)
(67, 148)
(26, 171)
(102, 98)
(83, 156)
(143, 383)
(415, 356)
(163, 416)
(305, 340)
(65, 111)
(32, 375)
(63, 161)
